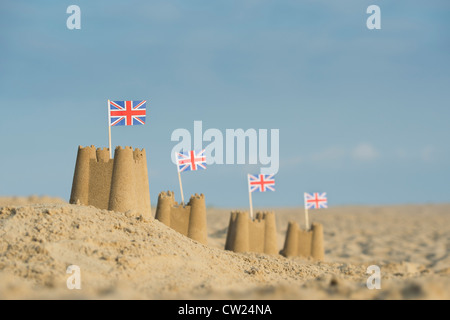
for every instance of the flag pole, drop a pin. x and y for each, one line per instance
(250, 198)
(251, 204)
(109, 131)
(306, 213)
(181, 187)
(306, 219)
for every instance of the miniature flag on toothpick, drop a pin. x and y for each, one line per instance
(190, 161)
(125, 113)
(314, 201)
(259, 183)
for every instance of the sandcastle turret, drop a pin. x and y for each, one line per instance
(102, 154)
(238, 235)
(165, 202)
(81, 177)
(291, 242)
(270, 233)
(122, 196)
(305, 243)
(245, 235)
(317, 248)
(197, 221)
(189, 220)
(119, 184)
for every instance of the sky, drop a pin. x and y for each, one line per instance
(362, 114)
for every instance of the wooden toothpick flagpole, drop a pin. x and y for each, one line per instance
(250, 197)
(109, 131)
(251, 204)
(306, 213)
(181, 185)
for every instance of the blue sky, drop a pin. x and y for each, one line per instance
(363, 114)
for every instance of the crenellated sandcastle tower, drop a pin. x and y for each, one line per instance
(189, 220)
(245, 235)
(305, 243)
(119, 184)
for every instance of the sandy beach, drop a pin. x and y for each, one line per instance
(127, 256)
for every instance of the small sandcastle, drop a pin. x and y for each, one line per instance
(189, 220)
(305, 243)
(245, 235)
(118, 184)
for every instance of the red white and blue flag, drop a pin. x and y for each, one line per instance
(127, 113)
(261, 182)
(316, 200)
(191, 160)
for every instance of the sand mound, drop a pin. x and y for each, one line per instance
(20, 201)
(123, 255)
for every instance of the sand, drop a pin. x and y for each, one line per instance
(128, 256)
(34, 199)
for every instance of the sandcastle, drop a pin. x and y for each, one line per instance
(189, 220)
(245, 235)
(306, 243)
(119, 184)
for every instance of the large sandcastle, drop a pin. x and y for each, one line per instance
(245, 235)
(119, 184)
(305, 243)
(189, 220)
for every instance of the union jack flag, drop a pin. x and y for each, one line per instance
(127, 113)
(316, 200)
(191, 160)
(261, 182)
